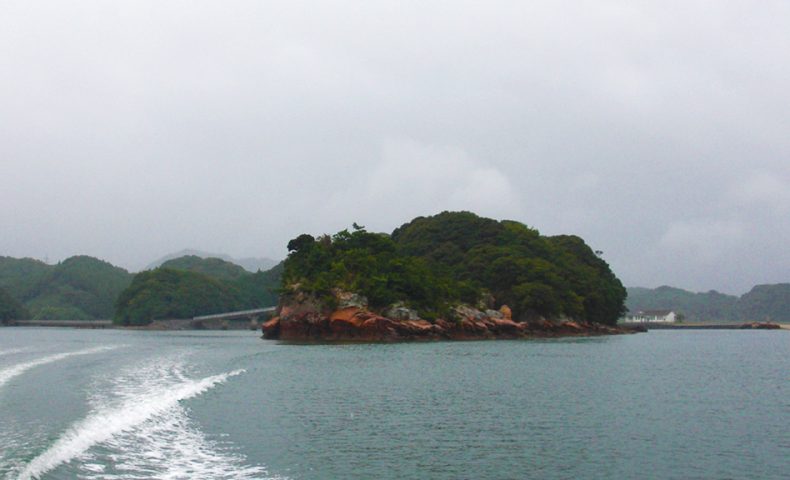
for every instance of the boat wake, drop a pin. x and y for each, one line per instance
(8, 373)
(142, 431)
(11, 351)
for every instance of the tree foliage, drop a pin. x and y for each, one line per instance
(212, 267)
(20, 277)
(766, 302)
(11, 309)
(166, 293)
(365, 263)
(434, 262)
(79, 288)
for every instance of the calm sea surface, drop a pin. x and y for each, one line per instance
(227, 405)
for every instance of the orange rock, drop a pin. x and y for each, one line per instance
(271, 328)
(572, 325)
(346, 318)
(506, 325)
(505, 310)
(416, 326)
(480, 325)
(442, 324)
(378, 327)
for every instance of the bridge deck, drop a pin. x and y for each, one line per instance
(239, 314)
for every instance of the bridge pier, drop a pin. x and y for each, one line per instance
(254, 322)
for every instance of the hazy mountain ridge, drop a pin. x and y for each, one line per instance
(251, 264)
(762, 302)
(212, 267)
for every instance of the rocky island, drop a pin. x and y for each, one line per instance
(453, 276)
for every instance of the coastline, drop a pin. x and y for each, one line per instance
(468, 331)
(306, 322)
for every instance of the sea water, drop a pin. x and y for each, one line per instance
(113, 404)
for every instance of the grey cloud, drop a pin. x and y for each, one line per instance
(132, 129)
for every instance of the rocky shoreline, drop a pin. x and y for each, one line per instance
(302, 318)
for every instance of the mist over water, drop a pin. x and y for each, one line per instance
(226, 405)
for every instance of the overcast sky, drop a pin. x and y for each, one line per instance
(657, 131)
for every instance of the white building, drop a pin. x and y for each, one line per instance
(652, 316)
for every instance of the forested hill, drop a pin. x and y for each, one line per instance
(86, 288)
(21, 276)
(250, 264)
(763, 302)
(79, 288)
(766, 302)
(212, 267)
(10, 308)
(433, 263)
(191, 286)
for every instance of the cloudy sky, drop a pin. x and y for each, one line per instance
(658, 131)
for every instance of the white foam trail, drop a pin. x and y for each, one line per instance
(104, 425)
(18, 369)
(168, 447)
(11, 351)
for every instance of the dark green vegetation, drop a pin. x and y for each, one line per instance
(763, 302)
(432, 263)
(85, 288)
(212, 267)
(192, 286)
(695, 307)
(251, 264)
(79, 288)
(11, 309)
(766, 302)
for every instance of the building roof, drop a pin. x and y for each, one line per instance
(654, 313)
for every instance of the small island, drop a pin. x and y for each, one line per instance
(453, 276)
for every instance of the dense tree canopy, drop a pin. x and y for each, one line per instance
(79, 288)
(20, 277)
(434, 262)
(212, 267)
(10, 308)
(166, 293)
(369, 264)
(766, 302)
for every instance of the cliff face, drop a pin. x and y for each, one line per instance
(300, 317)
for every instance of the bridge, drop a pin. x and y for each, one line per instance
(63, 323)
(222, 319)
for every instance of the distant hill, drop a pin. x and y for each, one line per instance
(711, 306)
(86, 288)
(10, 308)
(21, 276)
(212, 267)
(761, 303)
(79, 288)
(766, 302)
(257, 289)
(250, 264)
(164, 293)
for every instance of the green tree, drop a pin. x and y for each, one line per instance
(11, 309)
